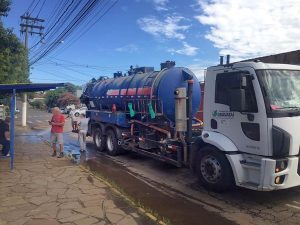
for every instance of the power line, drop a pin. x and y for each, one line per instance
(76, 71)
(82, 65)
(35, 7)
(64, 80)
(76, 38)
(56, 11)
(96, 14)
(53, 26)
(31, 23)
(55, 74)
(41, 8)
(74, 23)
(38, 39)
(31, 4)
(63, 14)
(80, 18)
(83, 71)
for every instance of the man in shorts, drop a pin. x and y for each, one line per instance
(57, 122)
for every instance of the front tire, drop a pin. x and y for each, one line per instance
(112, 146)
(214, 170)
(99, 140)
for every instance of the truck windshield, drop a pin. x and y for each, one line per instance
(282, 88)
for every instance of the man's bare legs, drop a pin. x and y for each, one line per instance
(54, 149)
(61, 148)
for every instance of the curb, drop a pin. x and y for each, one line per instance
(140, 209)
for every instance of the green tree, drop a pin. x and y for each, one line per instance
(38, 104)
(51, 97)
(13, 55)
(4, 7)
(66, 99)
(62, 97)
(70, 88)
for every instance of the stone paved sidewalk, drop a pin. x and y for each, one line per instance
(48, 191)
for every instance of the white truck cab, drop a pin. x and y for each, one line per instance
(252, 114)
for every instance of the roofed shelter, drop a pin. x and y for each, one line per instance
(13, 89)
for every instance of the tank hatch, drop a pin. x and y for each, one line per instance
(167, 65)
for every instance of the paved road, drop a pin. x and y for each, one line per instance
(241, 206)
(43, 190)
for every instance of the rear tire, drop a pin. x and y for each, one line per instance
(213, 170)
(99, 140)
(112, 146)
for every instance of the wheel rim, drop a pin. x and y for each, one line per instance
(110, 146)
(98, 140)
(211, 169)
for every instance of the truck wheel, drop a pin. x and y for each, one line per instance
(99, 140)
(214, 170)
(112, 146)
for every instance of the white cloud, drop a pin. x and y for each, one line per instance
(161, 5)
(185, 50)
(199, 66)
(198, 70)
(170, 27)
(246, 29)
(130, 48)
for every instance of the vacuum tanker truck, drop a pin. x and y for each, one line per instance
(251, 118)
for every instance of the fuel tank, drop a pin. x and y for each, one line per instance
(142, 88)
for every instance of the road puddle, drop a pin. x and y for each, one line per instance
(177, 209)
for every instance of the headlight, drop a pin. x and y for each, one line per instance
(279, 179)
(281, 165)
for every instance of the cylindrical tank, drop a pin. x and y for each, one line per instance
(155, 85)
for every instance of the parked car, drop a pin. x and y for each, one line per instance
(68, 109)
(77, 112)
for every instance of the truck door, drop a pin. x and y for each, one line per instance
(239, 111)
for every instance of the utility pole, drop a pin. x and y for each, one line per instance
(29, 25)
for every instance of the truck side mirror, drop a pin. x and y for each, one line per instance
(237, 100)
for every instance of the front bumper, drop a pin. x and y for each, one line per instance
(258, 173)
(290, 176)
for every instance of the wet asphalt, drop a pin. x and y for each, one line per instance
(177, 209)
(175, 193)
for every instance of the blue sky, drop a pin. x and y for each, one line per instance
(146, 32)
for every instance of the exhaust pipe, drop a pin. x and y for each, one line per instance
(227, 59)
(221, 60)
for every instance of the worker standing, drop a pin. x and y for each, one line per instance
(83, 127)
(57, 122)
